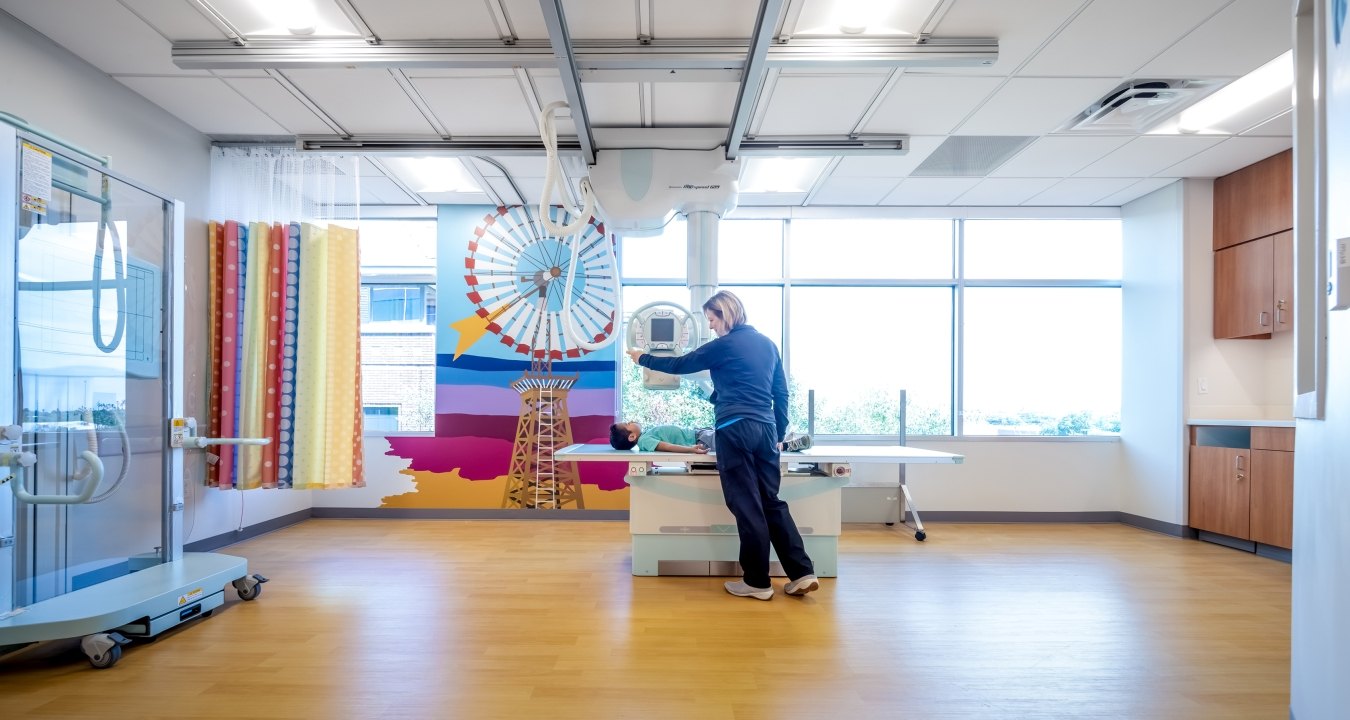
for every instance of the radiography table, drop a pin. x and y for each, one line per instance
(680, 523)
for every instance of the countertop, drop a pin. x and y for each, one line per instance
(1244, 423)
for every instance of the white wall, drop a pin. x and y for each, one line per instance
(1153, 484)
(1248, 379)
(61, 94)
(1320, 648)
(1006, 476)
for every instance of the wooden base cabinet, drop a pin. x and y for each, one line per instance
(1243, 492)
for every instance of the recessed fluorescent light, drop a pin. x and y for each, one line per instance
(854, 16)
(297, 16)
(781, 175)
(441, 174)
(1261, 83)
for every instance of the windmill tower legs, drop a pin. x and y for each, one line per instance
(536, 481)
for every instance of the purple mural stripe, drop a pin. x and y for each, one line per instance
(488, 400)
(503, 427)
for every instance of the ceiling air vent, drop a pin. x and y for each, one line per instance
(970, 155)
(1137, 105)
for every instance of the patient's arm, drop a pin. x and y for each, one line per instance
(669, 447)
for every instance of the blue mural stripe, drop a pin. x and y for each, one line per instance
(457, 376)
(560, 367)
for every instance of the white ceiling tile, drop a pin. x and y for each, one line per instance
(106, 34)
(694, 104)
(532, 187)
(1149, 155)
(929, 104)
(363, 101)
(419, 20)
(368, 170)
(891, 166)
(818, 104)
(702, 19)
(1135, 191)
(384, 192)
(453, 198)
(1003, 191)
(1058, 156)
(1080, 191)
(478, 106)
(929, 191)
(1266, 29)
(1281, 125)
(240, 73)
(770, 199)
(279, 104)
(517, 166)
(1035, 106)
(175, 19)
(1021, 28)
(588, 20)
(853, 191)
(549, 89)
(1116, 38)
(1227, 156)
(616, 104)
(205, 103)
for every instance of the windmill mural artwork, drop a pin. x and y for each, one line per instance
(525, 289)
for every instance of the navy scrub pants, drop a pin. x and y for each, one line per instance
(747, 461)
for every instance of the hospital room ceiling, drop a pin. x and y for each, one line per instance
(981, 95)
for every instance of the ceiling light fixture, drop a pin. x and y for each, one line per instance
(298, 16)
(1261, 83)
(853, 16)
(781, 175)
(441, 174)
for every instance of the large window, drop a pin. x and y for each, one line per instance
(991, 327)
(398, 325)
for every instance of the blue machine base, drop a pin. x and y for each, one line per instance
(143, 603)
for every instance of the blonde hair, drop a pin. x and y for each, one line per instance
(728, 307)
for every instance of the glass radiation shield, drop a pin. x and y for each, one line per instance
(88, 285)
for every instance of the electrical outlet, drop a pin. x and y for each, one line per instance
(1202, 386)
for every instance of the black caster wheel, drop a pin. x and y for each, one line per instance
(890, 524)
(920, 535)
(107, 659)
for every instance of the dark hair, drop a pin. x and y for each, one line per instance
(618, 438)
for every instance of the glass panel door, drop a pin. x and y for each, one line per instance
(89, 319)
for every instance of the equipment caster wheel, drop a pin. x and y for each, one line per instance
(920, 535)
(103, 649)
(249, 587)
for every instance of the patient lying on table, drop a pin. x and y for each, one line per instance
(662, 438)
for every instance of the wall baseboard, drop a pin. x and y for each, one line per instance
(1000, 516)
(467, 514)
(1146, 523)
(252, 531)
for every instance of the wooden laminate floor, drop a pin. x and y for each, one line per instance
(495, 619)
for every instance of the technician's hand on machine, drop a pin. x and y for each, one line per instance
(635, 354)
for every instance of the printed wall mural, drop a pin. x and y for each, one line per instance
(511, 386)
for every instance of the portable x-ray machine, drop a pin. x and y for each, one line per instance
(91, 465)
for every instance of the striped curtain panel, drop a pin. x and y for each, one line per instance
(285, 356)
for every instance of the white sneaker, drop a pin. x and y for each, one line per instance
(740, 589)
(802, 585)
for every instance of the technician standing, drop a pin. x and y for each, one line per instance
(750, 397)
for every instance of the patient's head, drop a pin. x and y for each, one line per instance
(623, 436)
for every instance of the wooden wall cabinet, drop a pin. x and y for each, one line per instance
(1254, 202)
(1253, 287)
(1243, 492)
(1254, 249)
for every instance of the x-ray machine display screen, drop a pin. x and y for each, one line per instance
(662, 330)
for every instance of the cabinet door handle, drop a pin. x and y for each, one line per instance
(1237, 463)
(1241, 477)
(1264, 317)
(1279, 316)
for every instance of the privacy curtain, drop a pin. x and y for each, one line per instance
(285, 330)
